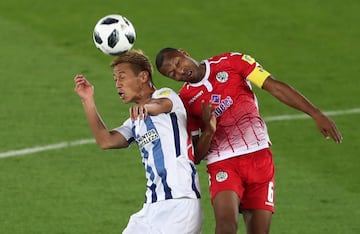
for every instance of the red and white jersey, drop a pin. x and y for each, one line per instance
(240, 129)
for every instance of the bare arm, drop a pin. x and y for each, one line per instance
(104, 138)
(153, 107)
(202, 143)
(295, 99)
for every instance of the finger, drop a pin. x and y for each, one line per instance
(79, 81)
(212, 109)
(141, 110)
(132, 113)
(336, 135)
(136, 112)
(207, 105)
(78, 84)
(78, 76)
(202, 104)
(332, 134)
(145, 112)
(324, 133)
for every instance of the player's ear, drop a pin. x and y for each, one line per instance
(145, 76)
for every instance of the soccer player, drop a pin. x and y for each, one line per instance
(157, 124)
(239, 160)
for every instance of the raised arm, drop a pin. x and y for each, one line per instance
(104, 138)
(295, 99)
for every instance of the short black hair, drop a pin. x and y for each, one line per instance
(160, 56)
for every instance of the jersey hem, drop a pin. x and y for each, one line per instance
(234, 154)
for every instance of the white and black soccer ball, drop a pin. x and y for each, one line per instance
(114, 34)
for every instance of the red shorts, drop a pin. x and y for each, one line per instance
(251, 176)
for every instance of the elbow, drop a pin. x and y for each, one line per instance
(197, 161)
(103, 145)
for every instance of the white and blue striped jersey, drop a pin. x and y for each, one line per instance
(166, 151)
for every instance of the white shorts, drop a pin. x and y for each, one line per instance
(175, 216)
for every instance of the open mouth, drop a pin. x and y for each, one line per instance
(121, 95)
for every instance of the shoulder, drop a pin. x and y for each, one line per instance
(188, 90)
(163, 93)
(226, 55)
(229, 60)
(169, 94)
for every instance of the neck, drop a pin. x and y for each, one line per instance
(202, 67)
(200, 74)
(145, 95)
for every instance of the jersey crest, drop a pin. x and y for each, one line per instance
(222, 76)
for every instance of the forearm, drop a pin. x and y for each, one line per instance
(203, 143)
(291, 97)
(158, 106)
(202, 146)
(97, 126)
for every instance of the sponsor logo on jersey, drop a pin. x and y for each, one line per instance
(222, 77)
(248, 59)
(165, 93)
(224, 105)
(147, 138)
(221, 176)
(193, 99)
(215, 98)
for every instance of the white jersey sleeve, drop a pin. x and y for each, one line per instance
(169, 93)
(125, 130)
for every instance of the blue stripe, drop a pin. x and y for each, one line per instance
(149, 170)
(193, 185)
(159, 159)
(175, 127)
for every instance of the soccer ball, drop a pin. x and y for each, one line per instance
(114, 34)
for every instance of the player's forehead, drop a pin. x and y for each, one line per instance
(172, 58)
(169, 65)
(122, 68)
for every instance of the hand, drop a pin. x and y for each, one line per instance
(138, 111)
(208, 116)
(328, 127)
(83, 88)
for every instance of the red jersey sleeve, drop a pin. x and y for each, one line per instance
(249, 69)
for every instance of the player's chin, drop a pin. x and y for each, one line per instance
(122, 98)
(125, 101)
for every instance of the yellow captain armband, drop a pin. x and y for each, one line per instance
(258, 76)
